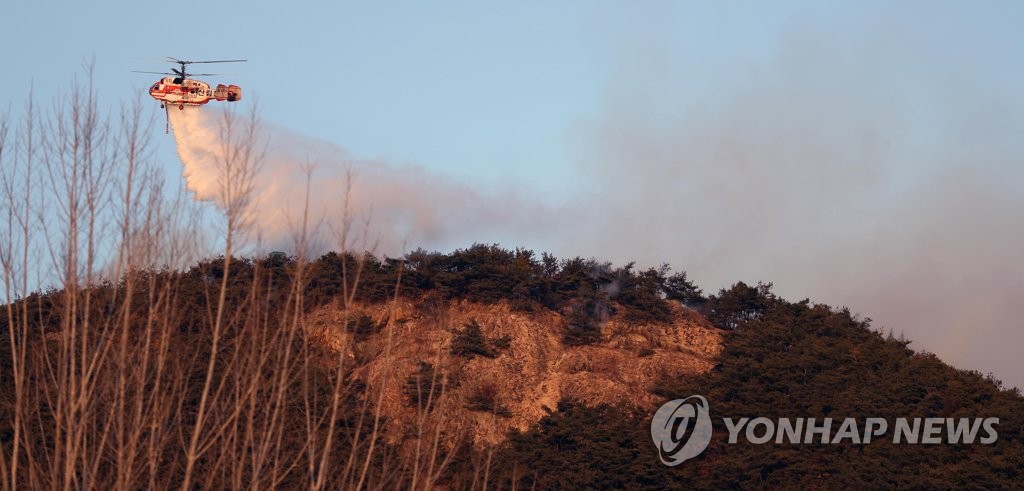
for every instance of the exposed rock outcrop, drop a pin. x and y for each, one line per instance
(532, 370)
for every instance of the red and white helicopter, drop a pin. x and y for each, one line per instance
(180, 90)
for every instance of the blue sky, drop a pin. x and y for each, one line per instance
(859, 153)
(483, 89)
(479, 88)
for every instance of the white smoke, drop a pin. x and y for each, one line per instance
(405, 206)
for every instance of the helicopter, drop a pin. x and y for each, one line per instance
(179, 89)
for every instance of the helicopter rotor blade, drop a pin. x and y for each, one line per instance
(215, 61)
(155, 73)
(182, 72)
(189, 62)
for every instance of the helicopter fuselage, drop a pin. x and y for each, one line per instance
(190, 92)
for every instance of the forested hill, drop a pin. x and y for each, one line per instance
(299, 370)
(787, 360)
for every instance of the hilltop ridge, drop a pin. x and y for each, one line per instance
(437, 369)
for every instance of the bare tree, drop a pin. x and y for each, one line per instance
(148, 366)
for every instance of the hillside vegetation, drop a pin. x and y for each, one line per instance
(484, 364)
(788, 359)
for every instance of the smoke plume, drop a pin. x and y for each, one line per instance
(880, 174)
(390, 207)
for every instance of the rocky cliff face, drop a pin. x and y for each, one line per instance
(478, 398)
